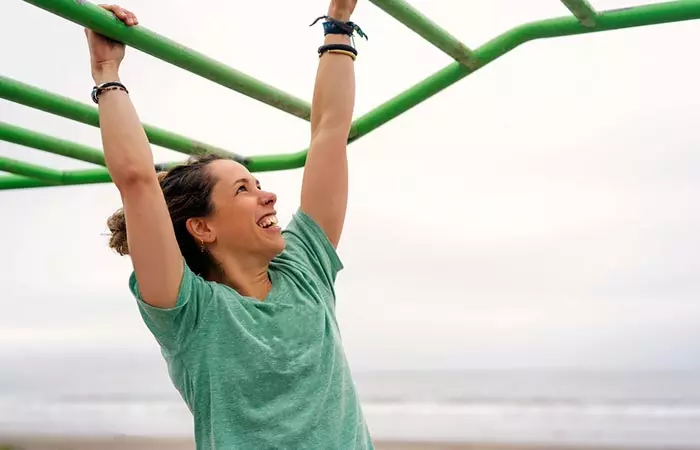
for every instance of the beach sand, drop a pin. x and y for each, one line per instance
(129, 443)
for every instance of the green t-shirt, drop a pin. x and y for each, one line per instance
(264, 375)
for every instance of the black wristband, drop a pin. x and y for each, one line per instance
(97, 90)
(344, 47)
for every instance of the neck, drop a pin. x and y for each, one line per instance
(249, 277)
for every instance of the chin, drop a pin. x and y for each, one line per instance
(281, 245)
(276, 245)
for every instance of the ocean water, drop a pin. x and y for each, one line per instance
(106, 395)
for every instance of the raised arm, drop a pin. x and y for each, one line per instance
(156, 257)
(324, 193)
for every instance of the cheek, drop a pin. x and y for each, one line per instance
(236, 216)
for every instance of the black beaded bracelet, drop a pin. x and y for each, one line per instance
(343, 47)
(110, 85)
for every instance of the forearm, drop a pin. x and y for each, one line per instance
(325, 185)
(334, 92)
(127, 151)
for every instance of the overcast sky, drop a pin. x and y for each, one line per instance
(542, 212)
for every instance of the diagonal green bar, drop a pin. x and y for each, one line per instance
(25, 94)
(609, 20)
(28, 138)
(140, 38)
(564, 26)
(22, 136)
(583, 11)
(428, 30)
(30, 170)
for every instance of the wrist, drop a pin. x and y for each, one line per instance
(339, 14)
(104, 72)
(337, 39)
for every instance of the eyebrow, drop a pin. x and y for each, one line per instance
(246, 180)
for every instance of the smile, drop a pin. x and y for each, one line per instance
(268, 221)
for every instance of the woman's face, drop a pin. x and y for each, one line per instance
(244, 220)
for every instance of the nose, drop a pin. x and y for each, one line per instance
(267, 198)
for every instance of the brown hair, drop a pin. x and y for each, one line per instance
(187, 190)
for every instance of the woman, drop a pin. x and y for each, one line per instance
(244, 313)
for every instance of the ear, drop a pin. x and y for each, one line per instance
(201, 231)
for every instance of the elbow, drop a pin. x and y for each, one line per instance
(331, 129)
(130, 179)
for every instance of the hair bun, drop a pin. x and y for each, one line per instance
(117, 227)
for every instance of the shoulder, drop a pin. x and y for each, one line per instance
(192, 287)
(174, 327)
(307, 244)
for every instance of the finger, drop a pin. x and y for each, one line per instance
(117, 10)
(123, 14)
(111, 8)
(120, 12)
(130, 18)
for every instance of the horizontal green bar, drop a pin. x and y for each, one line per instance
(140, 38)
(30, 170)
(19, 182)
(427, 29)
(33, 97)
(490, 51)
(27, 138)
(32, 177)
(39, 141)
(583, 11)
(89, 176)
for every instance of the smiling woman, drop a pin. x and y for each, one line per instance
(203, 232)
(243, 311)
(235, 223)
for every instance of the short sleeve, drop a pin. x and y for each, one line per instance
(309, 244)
(173, 327)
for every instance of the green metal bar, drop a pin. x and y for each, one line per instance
(33, 97)
(18, 182)
(490, 51)
(65, 178)
(583, 11)
(138, 37)
(27, 138)
(89, 176)
(39, 141)
(428, 30)
(38, 176)
(30, 170)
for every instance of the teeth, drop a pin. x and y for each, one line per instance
(268, 221)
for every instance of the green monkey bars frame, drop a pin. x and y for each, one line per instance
(584, 19)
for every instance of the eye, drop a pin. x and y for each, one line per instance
(241, 188)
